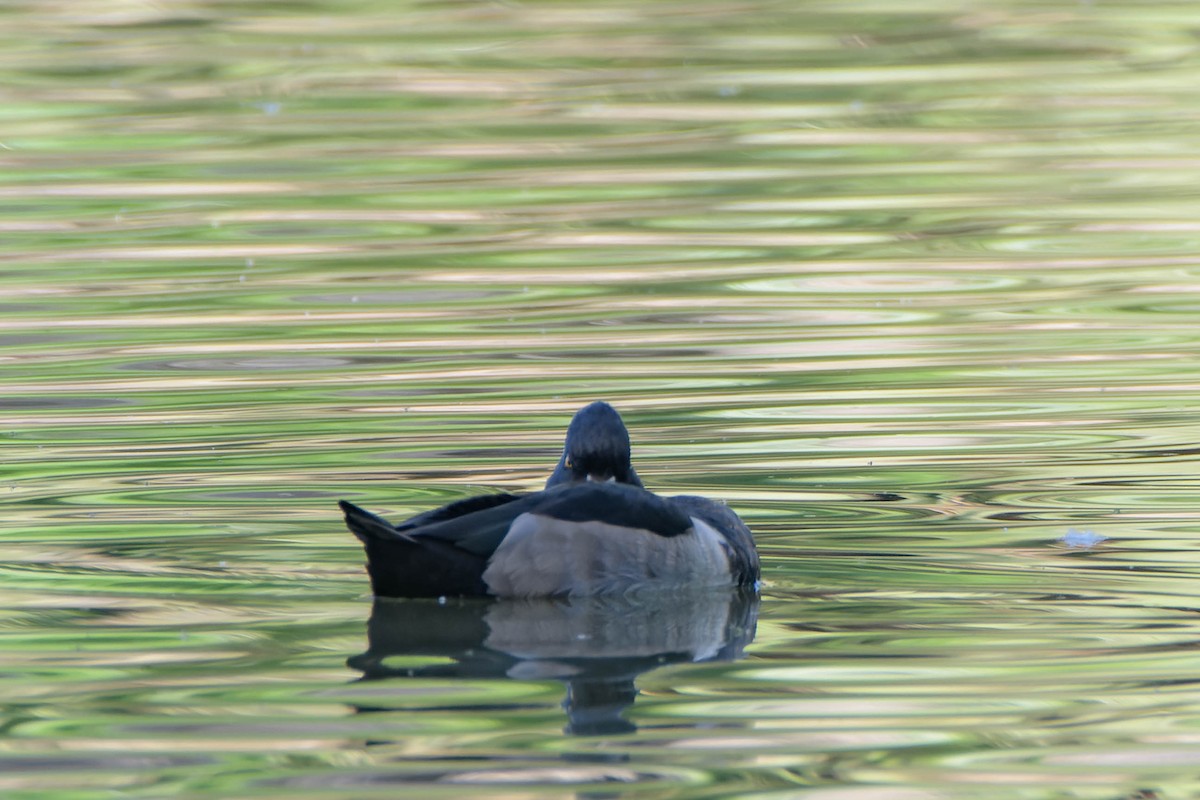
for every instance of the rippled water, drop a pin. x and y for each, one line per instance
(912, 287)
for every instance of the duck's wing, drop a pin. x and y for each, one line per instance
(617, 505)
(739, 542)
(459, 508)
(366, 525)
(481, 530)
(476, 524)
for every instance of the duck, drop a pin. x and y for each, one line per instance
(593, 530)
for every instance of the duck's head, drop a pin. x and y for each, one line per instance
(597, 449)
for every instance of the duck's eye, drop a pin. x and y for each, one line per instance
(567, 463)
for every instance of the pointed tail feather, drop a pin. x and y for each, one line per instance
(401, 565)
(366, 526)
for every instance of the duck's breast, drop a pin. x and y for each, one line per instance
(544, 556)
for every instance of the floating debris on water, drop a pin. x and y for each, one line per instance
(1083, 539)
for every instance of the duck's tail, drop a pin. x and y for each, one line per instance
(366, 526)
(403, 565)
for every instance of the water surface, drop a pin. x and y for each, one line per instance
(914, 289)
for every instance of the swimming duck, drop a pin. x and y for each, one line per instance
(594, 530)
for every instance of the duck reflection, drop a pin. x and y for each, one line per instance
(597, 646)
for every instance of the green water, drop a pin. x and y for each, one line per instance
(912, 286)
